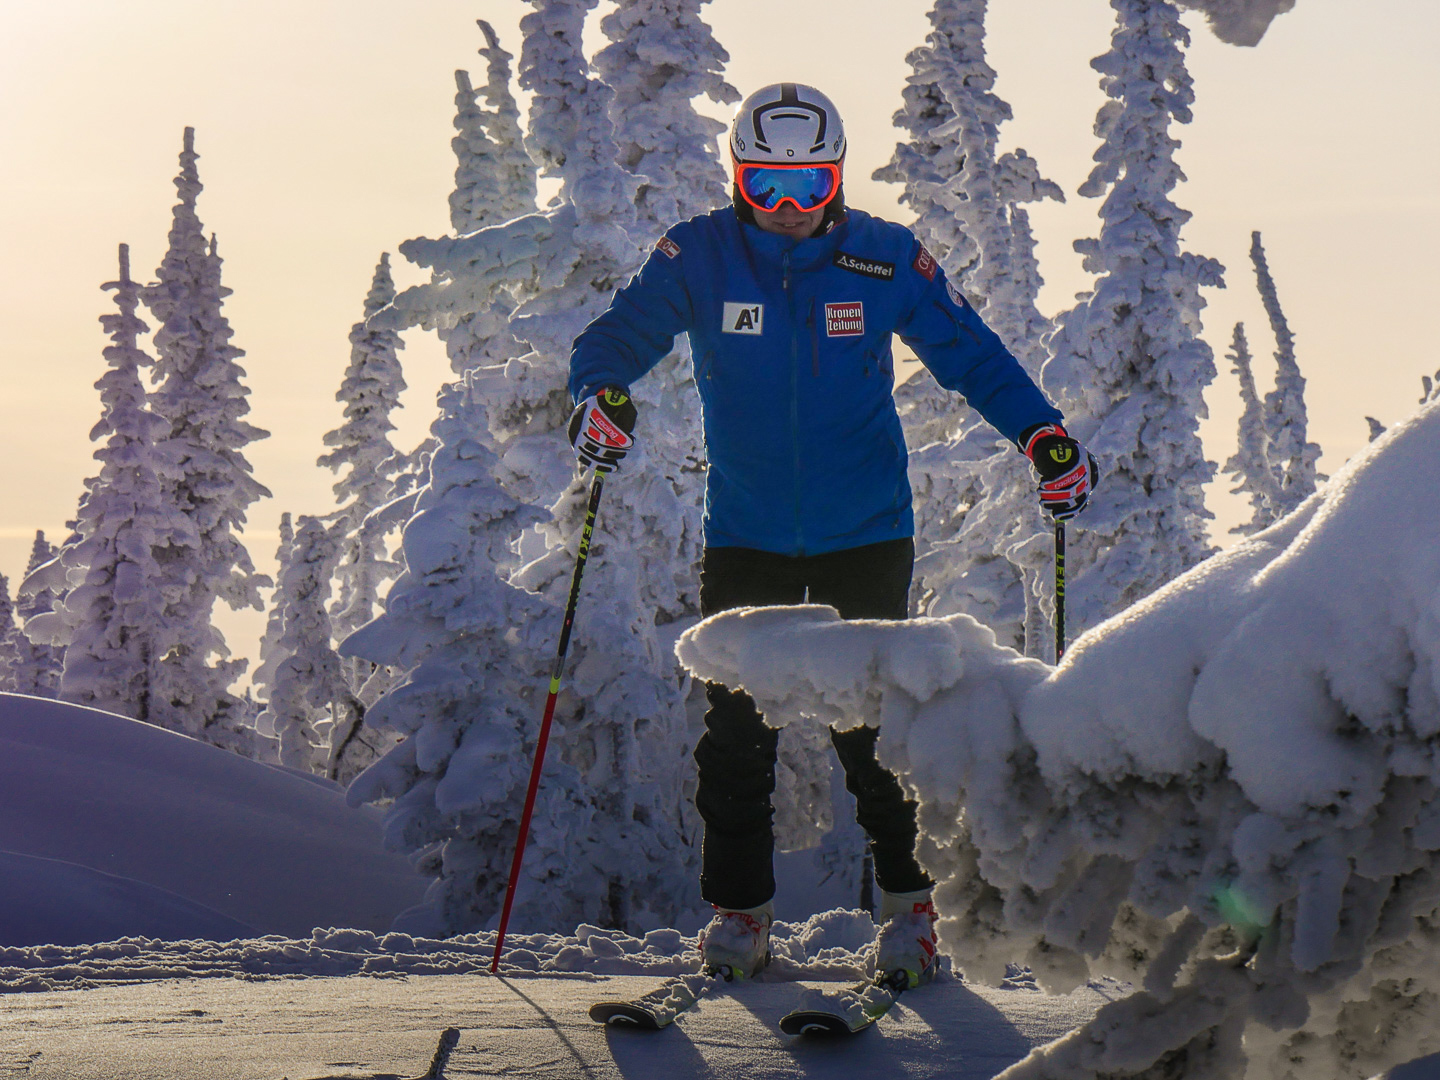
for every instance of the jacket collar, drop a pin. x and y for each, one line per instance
(804, 254)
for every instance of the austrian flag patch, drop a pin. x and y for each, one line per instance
(667, 247)
(845, 320)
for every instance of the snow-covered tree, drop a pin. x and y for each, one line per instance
(494, 183)
(309, 699)
(979, 531)
(370, 391)
(9, 631)
(200, 393)
(661, 58)
(1128, 367)
(621, 721)
(270, 656)
(1291, 456)
(37, 663)
(1250, 465)
(108, 617)
(476, 652)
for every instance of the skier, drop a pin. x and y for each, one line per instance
(790, 300)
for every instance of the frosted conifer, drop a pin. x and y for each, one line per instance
(37, 662)
(370, 392)
(661, 58)
(1128, 367)
(200, 393)
(977, 521)
(1291, 456)
(1250, 466)
(108, 618)
(263, 676)
(494, 183)
(475, 651)
(309, 698)
(8, 633)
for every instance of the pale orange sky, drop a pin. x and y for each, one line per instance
(324, 128)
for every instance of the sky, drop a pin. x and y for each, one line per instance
(324, 129)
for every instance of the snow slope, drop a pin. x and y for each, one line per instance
(1226, 794)
(239, 847)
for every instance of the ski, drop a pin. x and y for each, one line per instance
(845, 1012)
(659, 1008)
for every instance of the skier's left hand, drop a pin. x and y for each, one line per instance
(600, 428)
(1067, 471)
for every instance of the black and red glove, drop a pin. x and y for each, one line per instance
(600, 428)
(1067, 471)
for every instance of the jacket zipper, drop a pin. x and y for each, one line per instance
(814, 340)
(794, 399)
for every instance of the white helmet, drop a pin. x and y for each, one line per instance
(787, 124)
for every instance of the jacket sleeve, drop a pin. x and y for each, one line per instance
(637, 330)
(967, 356)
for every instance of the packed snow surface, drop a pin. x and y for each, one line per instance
(1226, 794)
(138, 830)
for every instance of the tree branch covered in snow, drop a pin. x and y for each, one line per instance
(1226, 796)
(1240, 22)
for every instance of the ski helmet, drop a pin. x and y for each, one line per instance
(787, 124)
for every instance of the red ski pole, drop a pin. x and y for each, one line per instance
(585, 533)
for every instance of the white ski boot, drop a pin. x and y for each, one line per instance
(906, 941)
(736, 944)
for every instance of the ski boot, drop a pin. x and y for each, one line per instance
(736, 944)
(905, 947)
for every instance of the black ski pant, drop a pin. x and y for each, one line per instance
(736, 755)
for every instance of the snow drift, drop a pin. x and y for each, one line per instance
(1226, 794)
(179, 838)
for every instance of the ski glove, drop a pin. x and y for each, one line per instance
(600, 428)
(1067, 471)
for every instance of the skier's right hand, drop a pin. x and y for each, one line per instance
(1067, 471)
(600, 428)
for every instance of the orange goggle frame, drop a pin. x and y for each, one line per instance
(806, 187)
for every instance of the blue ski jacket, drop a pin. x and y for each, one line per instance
(790, 341)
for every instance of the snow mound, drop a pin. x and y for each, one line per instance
(45, 901)
(833, 945)
(1226, 794)
(261, 848)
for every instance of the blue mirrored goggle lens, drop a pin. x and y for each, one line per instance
(808, 187)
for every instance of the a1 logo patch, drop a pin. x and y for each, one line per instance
(743, 318)
(845, 320)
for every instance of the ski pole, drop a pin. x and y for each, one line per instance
(596, 485)
(1059, 590)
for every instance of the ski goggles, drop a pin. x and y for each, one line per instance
(808, 187)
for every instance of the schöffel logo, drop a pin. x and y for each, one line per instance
(845, 320)
(667, 247)
(867, 267)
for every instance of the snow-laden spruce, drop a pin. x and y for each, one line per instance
(311, 709)
(662, 57)
(1226, 795)
(200, 394)
(1250, 464)
(494, 183)
(37, 663)
(108, 618)
(1292, 456)
(1240, 22)
(370, 392)
(979, 532)
(1128, 367)
(476, 653)
(9, 629)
